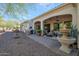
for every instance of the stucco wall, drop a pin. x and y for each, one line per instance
(78, 16)
(64, 10)
(68, 9)
(51, 26)
(26, 25)
(78, 21)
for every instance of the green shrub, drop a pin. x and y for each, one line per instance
(74, 32)
(39, 31)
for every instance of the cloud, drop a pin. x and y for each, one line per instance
(44, 4)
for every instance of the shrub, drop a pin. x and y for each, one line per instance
(39, 31)
(74, 32)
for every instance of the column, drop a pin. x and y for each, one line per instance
(74, 17)
(42, 27)
(33, 26)
(78, 22)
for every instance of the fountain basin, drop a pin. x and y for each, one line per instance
(65, 43)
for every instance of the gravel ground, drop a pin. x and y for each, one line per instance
(20, 45)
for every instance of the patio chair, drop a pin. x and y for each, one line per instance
(57, 34)
(50, 34)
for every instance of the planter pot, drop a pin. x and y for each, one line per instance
(65, 43)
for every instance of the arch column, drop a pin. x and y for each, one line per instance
(74, 17)
(78, 22)
(74, 20)
(33, 26)
(42, 27)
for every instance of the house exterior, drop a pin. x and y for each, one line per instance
(65, 13)
(25, 26)
(61, 17)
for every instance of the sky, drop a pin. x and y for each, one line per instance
(34, 11)
(41, 8)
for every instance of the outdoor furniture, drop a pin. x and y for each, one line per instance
(49, 34)
(57, 34)
(54, 34)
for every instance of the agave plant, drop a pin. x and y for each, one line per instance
(74, 32)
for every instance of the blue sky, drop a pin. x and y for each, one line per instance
(40, 9)
(36, 10)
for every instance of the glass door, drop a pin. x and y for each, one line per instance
(56, 26)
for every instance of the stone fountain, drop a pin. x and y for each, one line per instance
(65, 41)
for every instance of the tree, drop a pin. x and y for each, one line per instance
(15, 9)
(2, 22)
(10, 24)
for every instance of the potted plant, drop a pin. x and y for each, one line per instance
(74, 34)
(38, 32)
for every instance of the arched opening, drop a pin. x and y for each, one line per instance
(57, 23)
(37, 26)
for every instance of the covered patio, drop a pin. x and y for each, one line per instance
(57, 23)
(62, 17)
(61, 20)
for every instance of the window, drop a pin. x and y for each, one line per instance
(56, 26)
(68, 24)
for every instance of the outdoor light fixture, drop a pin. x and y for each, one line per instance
(57, 18)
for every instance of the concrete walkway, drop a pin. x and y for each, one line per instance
(21, 45)
(51, 43)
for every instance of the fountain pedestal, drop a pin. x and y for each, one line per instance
(65, 42)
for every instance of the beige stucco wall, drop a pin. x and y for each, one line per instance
(51, 26)
(68, 9)
(78, 21)
(64, 10)
(26, 25)
(78, 16)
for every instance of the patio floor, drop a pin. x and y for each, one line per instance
(51, 43)
(21, 45)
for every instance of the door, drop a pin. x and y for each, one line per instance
(47, 27)
(56, 26)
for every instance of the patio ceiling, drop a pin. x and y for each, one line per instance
(59, 18)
